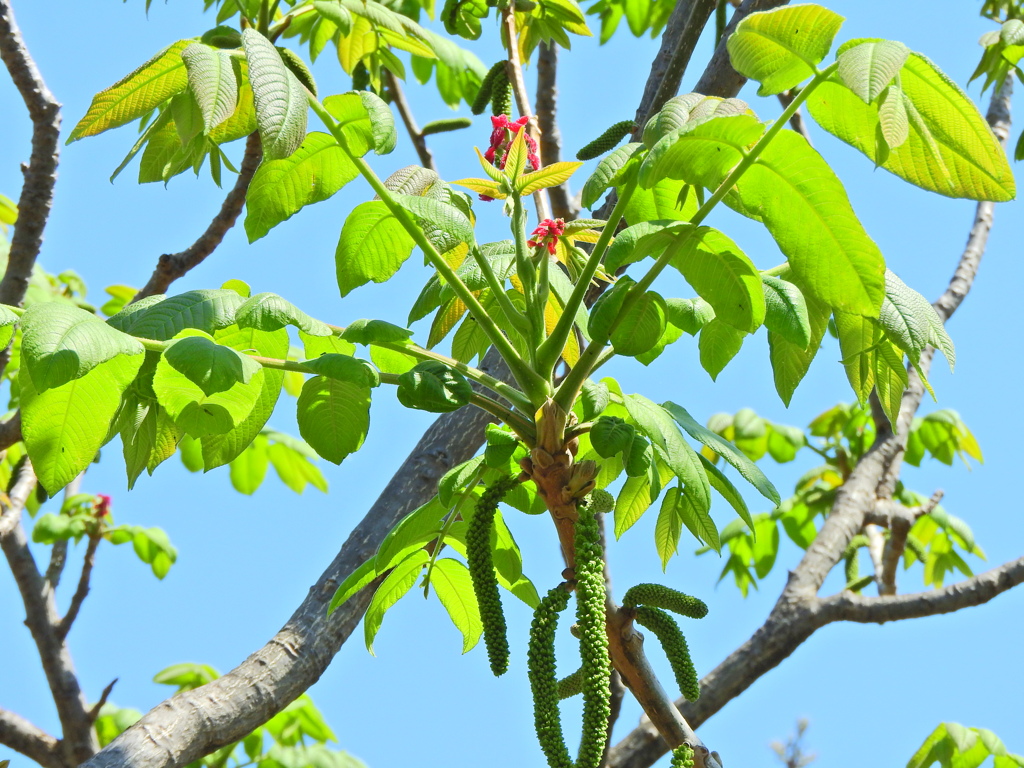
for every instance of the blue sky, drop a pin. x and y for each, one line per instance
(245, 562)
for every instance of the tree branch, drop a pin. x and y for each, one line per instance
(562, 206)
(417, 137)
(82, 591)
(796, 122)
(41, 617)
(41, 172)
(171, 266)
(19, 734)
(847, 606)
(10, 431)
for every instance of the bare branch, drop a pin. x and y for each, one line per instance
(41, 172)
(82, 591)
(418, 140)
(94, 713)
(977, 590)
(41, 618)
(59, 551)
(10, 431)
(19, 734)
(171, 266)
(550, 138)
(719, 78)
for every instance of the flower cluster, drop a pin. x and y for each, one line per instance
(101, 507)
(547, 234)
(501, 139)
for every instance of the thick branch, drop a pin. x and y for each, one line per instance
(419, 141)
(847, 606)
(41, 617)
(41, 172)
(19, 734)
(171, 266)
(550, 138)
(10, 431)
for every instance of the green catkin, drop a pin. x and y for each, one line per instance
(501, 93)
(914, 545)
(571, 685)
(481, 569)
(682, 757)
(601, 501)
(852, 567)
(543, 680)
(671, 637)
(858, 541)
(592, 621)
(606, 140)
(861, 583)
(660, 596)
(483, 96)
(443, 126)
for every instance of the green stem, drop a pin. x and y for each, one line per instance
(535, 387)
(517, 318)
(453, 516)
(551, 349)
(589, 359)
(527, 272)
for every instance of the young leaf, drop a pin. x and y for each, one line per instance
(668, 527)
(858, 340)
(867, 68)
(779, 48)
(391, 590)
(641, 326)
(786, 311)
(213, 82)
(446, 218)
(604, 175)
(609, 435)
(790, 361)
(250, 467)
(280, 99)
(373, 246)
(333, 416)
(634, 499)
(281, 188)
(373, 332)
(345, 368)
(433, 386)
(718, 344)
(163, 318)
(890, 380)
(134, 95)
(454, 588)
(366, 121)
(65, 426)
(911, 322)
(269, 312)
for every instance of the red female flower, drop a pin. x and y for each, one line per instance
(504, 130)
(547, 234)
(101, 507)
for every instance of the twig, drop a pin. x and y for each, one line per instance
(10, 431)
(82, 591)
(171, 266)
(19, 734)
(515, 77)
(59, 551)
(79, 742)
(94, 713)
(550, 138)
(796, 122)
(418, 139)
(41, 172)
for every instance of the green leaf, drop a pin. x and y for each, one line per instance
(786, 311)
(366, 121)
(610, 435)
(724, 277)
(640, 327)
(594, 396)
(281, 100)
(668, 527)
(294, 468)
(462, 477)
(911, 322)
(793, 191)
(447, 218)
(689, 315)
(65, 426)
(152, 547)
(134, 95)
(345, 368)
(249, 468)
(867, 68)
(221, 449)
(779, 48)
(634, 499)
(718, 344)
(334, 416)
(698, 521)
(373, 246)
(281, 188)
(950, 148)
(391, 590)
(790, 361)
(890, 380)
(607, 307)
(269, 312)
(435, 387)
(727, 490)
(858, 341)
(454, 588)
(374, 332)
(163, 318)
(412, 532)
(62, 342)
(352, 584)
(206, 388)
(213, 82)
(750, 472)
(606, 171)
(686, 111)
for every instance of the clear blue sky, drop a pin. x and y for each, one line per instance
(245, 563)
